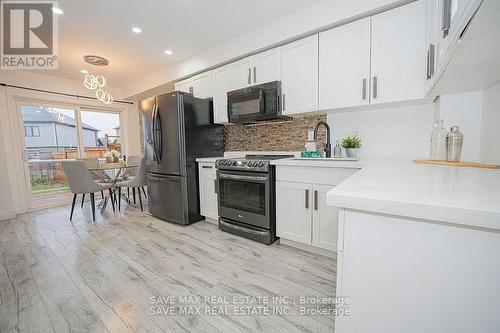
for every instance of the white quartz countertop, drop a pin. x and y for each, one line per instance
(457, 195)
(208, 159)
(321, 163)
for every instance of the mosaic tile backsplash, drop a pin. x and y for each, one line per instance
(279, 136)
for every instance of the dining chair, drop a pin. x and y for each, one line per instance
(97, 175)
(138, 182)
(131, 172)
(80, 182)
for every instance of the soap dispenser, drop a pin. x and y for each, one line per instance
(337, 150)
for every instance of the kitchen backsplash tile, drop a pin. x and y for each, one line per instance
(278, 136)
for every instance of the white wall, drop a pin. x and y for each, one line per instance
(490, 127)
(464, 110)
(404, 132)
(396, 132)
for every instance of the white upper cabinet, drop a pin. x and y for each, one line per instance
(240, 74)
(344, 65)
(220, 89)
(260, 68)
(299, 76)
(266, 66)
(185, 85)
(398, 48)
(202, 85)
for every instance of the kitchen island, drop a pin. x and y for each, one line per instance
(418, 248)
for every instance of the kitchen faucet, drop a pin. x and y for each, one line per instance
(328, 146)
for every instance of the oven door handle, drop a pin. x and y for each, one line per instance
(239, 177)
(248, 230)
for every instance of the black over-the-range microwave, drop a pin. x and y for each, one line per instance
(256, 103)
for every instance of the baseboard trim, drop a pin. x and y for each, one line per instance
(210, 220)
(308, 248)
(7, 215)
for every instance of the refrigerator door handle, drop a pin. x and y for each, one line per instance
(153, 132)
(158, 135)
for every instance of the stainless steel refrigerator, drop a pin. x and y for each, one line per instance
(178, 128)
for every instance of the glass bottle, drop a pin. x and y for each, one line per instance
(337, 151)
(438, 141)
(454, 142)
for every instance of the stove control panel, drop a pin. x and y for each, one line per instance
(239, 164)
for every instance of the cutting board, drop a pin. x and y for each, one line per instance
(460, 164)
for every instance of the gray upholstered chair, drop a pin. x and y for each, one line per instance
(80, 182)
(137, 182)
(132, 172)
(97, 175)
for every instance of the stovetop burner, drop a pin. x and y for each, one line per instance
(255, 162)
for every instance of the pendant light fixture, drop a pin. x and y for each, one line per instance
(97, 82)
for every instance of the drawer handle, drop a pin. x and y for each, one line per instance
(206, 167)
(315, 200)
(307, 199)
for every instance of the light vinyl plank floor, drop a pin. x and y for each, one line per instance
(58, 275)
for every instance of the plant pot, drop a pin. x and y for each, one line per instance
(351, 152)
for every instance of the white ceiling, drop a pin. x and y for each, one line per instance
(186, 27)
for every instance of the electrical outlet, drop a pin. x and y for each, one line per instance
(310, 135)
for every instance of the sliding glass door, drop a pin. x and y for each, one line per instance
(53, 134)
(101, 133)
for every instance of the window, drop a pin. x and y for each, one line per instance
(31, 131)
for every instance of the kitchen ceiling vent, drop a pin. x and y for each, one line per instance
(96, 60)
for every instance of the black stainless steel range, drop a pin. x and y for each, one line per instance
(246, 193)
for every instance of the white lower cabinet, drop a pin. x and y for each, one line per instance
(208, 196)
(302, 215)
(293, 211)
(325, 220)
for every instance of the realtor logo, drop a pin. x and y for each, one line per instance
(29, 35)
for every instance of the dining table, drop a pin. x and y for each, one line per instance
(112, 173)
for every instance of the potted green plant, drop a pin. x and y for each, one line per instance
(351, 144)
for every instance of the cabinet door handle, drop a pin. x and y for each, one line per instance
(375, 87)
(254, 74)
(445, 27)
(216, 186)
(432, 52)
(206, 167)
(428, 71)
(307, 199)
(364, 89)
(249, 76)
(283, 101)
(315, 200)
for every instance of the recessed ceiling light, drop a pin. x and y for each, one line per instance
(168, 52)
(136, 30)
(84, 71)
(58, 11)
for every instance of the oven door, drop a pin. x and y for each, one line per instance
(244, 197)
